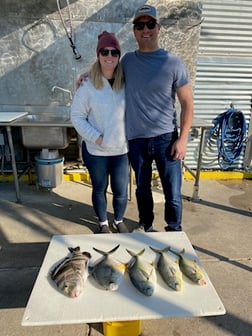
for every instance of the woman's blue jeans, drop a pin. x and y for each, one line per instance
(142, 153)
(101, 168)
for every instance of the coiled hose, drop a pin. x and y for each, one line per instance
(230, 132)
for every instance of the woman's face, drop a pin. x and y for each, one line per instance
(109, 58)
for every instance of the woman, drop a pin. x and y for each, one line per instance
(97, 114)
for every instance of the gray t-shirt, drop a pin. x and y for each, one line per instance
(151, 82)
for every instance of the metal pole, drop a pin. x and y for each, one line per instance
(13, 162)
(195, 196)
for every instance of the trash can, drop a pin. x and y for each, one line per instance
(122, 328)
(49, 171)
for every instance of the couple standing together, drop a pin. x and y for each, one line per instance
(126, 110)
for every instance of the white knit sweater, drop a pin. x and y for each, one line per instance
(100, 111)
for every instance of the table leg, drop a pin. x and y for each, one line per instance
(13, 162)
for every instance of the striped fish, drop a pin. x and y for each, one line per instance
(71, 273)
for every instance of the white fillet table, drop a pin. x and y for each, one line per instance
(48, 306)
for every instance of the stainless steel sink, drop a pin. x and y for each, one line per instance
(44, 119)
(45, 130)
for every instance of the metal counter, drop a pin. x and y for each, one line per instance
(20, 119)
(6, 120)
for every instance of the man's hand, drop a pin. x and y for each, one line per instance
(178, 150)
(82, 78)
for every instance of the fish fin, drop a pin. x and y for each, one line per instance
(154, 249)
(175, 252)
(74, 249)
(149, 275)
(114, 249)
(87, 254)
(172, 251)
(133, 254)
(106, 253)
(166, 249)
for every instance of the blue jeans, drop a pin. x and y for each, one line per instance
(100, 169)
(142, 152)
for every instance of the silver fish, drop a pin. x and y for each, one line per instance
(142, 273)
(71, 273)
(107, 271)
(190, 268)
(169, 269)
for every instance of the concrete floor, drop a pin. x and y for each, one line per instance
(219, 227)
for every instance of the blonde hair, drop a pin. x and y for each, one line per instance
(95, 75)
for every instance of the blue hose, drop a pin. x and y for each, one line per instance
(230, 131)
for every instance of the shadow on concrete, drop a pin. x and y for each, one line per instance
(220, 206)
(232, 324)
(222, 258)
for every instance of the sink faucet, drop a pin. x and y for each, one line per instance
(62, 89)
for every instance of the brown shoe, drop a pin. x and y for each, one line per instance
(104, 229)
(120, 227)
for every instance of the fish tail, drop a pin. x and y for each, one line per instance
(177, 253)
(74, 249)
(133, 254)
(106, 253)
(155, 250)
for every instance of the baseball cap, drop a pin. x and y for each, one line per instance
(145, 10)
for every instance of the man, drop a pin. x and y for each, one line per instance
(153, 77)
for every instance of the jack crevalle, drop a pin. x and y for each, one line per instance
(190, 268)
(108, 271)
(142, 273)
(71, 273)
(169, 269)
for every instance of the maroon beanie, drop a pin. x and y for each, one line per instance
(106, 39)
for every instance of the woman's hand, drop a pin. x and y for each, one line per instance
(99, 140)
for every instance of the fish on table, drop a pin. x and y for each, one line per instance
(141, 273)
(190, 267)
(108, 271)
(70, 274)
(169, 269)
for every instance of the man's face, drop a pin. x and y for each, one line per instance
(146, 33)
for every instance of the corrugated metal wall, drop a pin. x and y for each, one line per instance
(224, 69)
